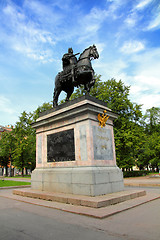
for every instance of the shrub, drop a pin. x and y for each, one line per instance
(135, 173)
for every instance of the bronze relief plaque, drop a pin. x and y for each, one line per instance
(60, 146)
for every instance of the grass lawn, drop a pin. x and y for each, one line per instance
(153, 173)
(9, 183)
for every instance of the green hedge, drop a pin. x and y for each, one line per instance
(135, 173)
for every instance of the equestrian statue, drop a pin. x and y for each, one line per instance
(75, 72)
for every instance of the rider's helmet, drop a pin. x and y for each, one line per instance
(70, 50)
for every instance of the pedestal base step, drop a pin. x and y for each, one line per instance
(87, 201)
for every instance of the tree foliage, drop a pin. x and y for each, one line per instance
(24, 152)
(7, 144)
(150, 151)
(19, 145)
(25, 147)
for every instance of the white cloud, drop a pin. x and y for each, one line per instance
(44, 14)
(142, 4)
(115, 5)
(140, 70)
(150, 100)
(13, 13)
(132, 47)
(110, 69)
(91, 23)
(148, 62)
(36, 28)
(155, 23)
(144, 90)
(100, 47)
(145, 85)
(145, 80)
(148, 80)
(131, 20)
(5, 105)
(26, 35)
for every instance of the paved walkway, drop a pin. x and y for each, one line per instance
(147, 181)
(141, 221)
(20, 220)
(100, 212)
(20, 179)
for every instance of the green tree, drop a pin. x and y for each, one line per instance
(151, 120)
(24, 152)
(7, 144)
(25, 139)
(150, 152)
(40, 109)
(154, 146)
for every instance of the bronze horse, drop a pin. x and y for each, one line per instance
(83, 75)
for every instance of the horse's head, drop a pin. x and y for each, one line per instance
(93, 52)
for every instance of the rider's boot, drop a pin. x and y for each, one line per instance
(72, 73)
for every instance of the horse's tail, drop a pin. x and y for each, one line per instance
(57, 90)
(57, 80)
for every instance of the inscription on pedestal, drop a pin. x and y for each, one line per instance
(60, 146)
(102, 143)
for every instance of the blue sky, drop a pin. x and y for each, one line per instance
(34, 34)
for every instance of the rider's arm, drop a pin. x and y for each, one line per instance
(66, 56)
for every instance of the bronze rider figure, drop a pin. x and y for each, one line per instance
(69, 62)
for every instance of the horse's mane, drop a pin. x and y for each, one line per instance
(83, 53)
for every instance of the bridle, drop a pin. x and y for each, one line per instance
(89, 57)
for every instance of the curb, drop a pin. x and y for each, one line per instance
(12, 187)
(141, 185)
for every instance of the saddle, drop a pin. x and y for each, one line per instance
(65, 75)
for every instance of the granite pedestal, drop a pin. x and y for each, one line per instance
(74, 154)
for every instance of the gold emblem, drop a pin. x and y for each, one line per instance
(102, 119)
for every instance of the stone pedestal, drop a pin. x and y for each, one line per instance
(73, 153)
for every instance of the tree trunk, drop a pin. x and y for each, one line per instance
(6, 170)
(22, 172)
(22, 165)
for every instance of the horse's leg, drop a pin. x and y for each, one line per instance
(87, 89)
(93, 80)
(90, 83)
(57, 91)
(69, 93)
